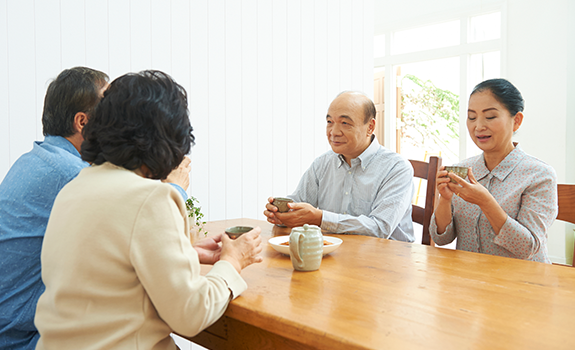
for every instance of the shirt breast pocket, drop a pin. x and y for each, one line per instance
(361, 207)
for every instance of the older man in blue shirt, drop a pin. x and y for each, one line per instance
(358, 187)
(27, 194)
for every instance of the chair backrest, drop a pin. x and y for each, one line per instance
(566, 201)
(422, 215)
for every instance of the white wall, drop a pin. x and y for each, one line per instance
(259, 74)
(537, 56)
(539, 52)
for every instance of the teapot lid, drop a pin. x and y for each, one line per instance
(306, 228)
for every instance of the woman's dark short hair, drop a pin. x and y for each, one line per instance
(504, 92)
(141, 120)
(74, 90)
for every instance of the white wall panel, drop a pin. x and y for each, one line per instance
(259, 74)
(47, 53)
(161, 32)
(4, 98)
(293, 94)
(307, 96)
(233, 105)
(119, 38)
(252, 207)
(367, 50)
(97, 34)
(265, 106)
(180, 37)
(217, 110)
(21, 77)
(279, 103)
(321, 76)
(357, 18)
(345, 26)
(73, 33)
(198, 102)
(140, 21)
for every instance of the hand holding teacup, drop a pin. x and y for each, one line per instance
(449, 180)
(472, 191)
(276, 205)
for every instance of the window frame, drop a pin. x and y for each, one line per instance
(464, 51)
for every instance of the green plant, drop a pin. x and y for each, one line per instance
(431, 112)
(194, 211)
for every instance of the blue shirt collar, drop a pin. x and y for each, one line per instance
(61, 142)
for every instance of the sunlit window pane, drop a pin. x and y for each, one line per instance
(426, 38)
(379, 46)
(485, 27)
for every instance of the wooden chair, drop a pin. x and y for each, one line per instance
(566, 201)
(422, 215)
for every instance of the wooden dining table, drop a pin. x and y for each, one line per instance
(374, 293)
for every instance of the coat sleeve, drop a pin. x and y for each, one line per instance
(168, 267)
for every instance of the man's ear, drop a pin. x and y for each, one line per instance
(371, 127)
(80, 120)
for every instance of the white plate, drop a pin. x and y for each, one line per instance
(275, 242)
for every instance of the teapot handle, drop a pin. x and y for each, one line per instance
(294, 244)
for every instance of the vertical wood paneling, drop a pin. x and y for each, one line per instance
(217, 109)
(119, 37)
(259, 74)
(140, 21)
(233, 104)
(279, 88)
(294, 106)
(252, 206)
(4, 94)
(97, 34)
(181, 42)
(198, 103)
(73, 33)
(345, 42)
(333, 49)
(308, 99)
(265, 106)
(367, 50)
(161, 32)
(48, 53)
(321, 94)
(357, 54)
(21, 77)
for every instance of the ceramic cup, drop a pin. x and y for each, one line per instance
(306, 247)
(460, 171)
(236, 231)
(281, 203)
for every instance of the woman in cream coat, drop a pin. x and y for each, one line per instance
(117, 261)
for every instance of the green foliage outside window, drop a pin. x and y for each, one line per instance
(430, 116)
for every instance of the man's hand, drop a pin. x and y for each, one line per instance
(181, 175)
(300, 214)
(270, 212)
(208, 249)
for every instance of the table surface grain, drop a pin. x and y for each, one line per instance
(374, 293)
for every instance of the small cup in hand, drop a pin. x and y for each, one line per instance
(282, 203)
(460, 171)
(236, 231)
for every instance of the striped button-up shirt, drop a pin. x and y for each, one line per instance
(371, 197)
(526, 189)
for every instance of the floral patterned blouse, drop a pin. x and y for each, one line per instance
(526, 189)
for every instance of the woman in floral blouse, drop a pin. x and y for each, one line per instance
(511, 197)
